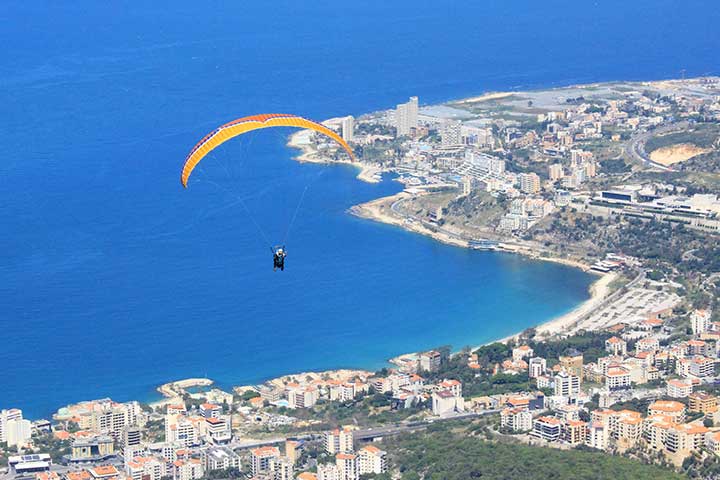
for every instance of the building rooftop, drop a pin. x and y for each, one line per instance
(667, 406)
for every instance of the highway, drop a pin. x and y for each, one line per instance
(405, 427)
(635, 147)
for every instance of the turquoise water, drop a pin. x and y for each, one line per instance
(114, 279)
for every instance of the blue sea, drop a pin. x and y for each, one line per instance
(114, 279)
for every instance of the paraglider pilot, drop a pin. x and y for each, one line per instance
(279, 255)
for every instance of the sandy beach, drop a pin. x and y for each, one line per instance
(487, 96)
(571, 321)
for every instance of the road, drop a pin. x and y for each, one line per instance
(405, 427)
(635, 147)
(430, 226)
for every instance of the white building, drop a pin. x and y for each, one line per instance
(547, 428)
(616, 346)
(445, 402)
(262, 458)
(598, 436)
(450, 134)
(18, 432)
(219, 458)
(679, 388)
(536, 367)
(555, 171)
(482, 163)
(190, 469)
(111, 418)
(208, 410)
(529, 183)
(283, 468)
(339, 440)
(372, 460)
(179, 429)
(517, 419)
(5, 416)
(700, 321)
(522, 352)
(348, 128)
(327, 471)
(149, 467)
(347, 465)
(617, 377)
(567, 384)
(302, 397)
(218, 429)
(406, 117)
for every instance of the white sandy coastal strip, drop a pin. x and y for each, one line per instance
(487, 97)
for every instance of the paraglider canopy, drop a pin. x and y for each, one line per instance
(246, 124)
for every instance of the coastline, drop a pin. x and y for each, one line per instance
(377, 210)
(572, 321)
(381, 210)
(300, 140)
(374, 210)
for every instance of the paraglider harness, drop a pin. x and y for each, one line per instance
(279, 255)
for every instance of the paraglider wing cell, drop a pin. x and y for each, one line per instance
(247, 124)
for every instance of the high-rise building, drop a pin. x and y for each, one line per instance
(347, 464)
(302, 397)
(529, 183)
(17, 432)
(700, 321)
(536, 367)
(181, 429)
(406, 117)
(112, 418)
(590, 169)
(339, 440)
(555, 171)
(92, 448)
(262, 459)
(348, 128)
(132, 437)
(579, 157)
(190, 469)
(566, 384)
(430, 361)
(283, 468)
(209, 410)
(450, 134)
(371, 460)
(6, 416)
(292, 450)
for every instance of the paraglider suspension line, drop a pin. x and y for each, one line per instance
(297, 209)
(257, 225)
(247, 211)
